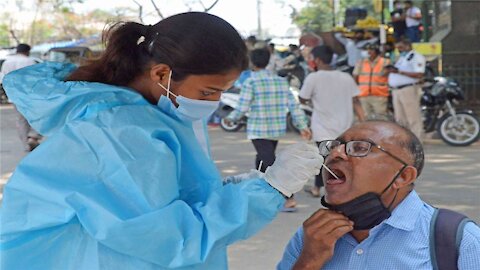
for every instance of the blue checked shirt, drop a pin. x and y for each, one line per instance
(267, 99)
(400, 242)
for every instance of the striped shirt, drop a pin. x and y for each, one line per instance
(399, 242)
(267, 99)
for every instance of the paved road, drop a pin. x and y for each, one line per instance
(451, 178)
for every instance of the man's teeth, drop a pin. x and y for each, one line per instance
(330, 171)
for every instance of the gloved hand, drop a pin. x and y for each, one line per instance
(293, 167)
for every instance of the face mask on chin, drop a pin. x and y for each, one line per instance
(367, 210)
(190, 109)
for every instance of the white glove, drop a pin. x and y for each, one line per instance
(293, 167)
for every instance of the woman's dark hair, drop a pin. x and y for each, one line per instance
(192, 43)
(260, 57)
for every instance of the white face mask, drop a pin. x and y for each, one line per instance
(190, 109)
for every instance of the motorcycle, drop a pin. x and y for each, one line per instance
(341, 63)
(455, 127)
(228, 102)
(230, 99)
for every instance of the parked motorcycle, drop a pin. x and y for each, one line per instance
(455, 127)
(341, 63)
(228, 102)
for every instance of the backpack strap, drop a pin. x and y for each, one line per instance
(446, 233)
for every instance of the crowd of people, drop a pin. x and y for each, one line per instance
(374, 84)
(126, 179)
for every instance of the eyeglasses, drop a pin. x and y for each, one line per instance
(354, 148)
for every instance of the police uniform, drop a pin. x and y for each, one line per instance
(406, 92)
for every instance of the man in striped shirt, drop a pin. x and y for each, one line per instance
(267, 99)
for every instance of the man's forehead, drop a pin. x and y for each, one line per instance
(374, 132)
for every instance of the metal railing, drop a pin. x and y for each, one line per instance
(468, 76)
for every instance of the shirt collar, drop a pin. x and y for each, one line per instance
(262, 71)
(405, 215)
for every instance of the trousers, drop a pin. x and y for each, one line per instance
(265, 153)
(407, 111)
(375, 107)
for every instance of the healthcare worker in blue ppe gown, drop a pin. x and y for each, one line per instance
(122, 181)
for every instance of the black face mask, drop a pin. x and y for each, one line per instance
(367, 210)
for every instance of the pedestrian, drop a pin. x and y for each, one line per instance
(372, 217)
(123, 181)
(413, 19)
(354, 46)
(334, 95)
(267, 98)
(276, 62)
(29, 137)
(404, 80)
(371, 75)
(398, 20)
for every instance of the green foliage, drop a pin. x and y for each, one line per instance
(4, 36)
(56, 20)
(317, 15)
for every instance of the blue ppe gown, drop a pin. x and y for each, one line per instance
(119, 184)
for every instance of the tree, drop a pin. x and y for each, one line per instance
(4, 35)
(317, 16)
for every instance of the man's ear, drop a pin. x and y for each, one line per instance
(407, 177)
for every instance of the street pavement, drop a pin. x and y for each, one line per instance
(451, 178)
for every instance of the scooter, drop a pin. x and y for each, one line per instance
(228, 102)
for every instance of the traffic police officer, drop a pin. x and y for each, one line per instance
(404, 81)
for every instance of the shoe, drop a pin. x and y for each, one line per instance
(289, 206)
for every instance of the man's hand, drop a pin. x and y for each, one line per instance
(306, 134)
(391, 69)
(321, 232)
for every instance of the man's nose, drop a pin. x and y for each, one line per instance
(338, 153)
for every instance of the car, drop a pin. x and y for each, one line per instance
(74, 55)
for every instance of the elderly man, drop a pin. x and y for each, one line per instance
(375, 219)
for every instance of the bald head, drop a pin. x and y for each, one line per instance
(401, 136)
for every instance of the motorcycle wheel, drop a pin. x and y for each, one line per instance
(462, 130)
(230, 127)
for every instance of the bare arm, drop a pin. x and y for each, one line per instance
(357, 107)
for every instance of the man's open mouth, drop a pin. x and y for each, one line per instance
(332, 180)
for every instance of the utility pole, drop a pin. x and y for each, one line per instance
(259, 20)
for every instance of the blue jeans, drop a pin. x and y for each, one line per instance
(413, 34)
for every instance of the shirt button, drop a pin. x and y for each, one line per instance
(359, 251)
